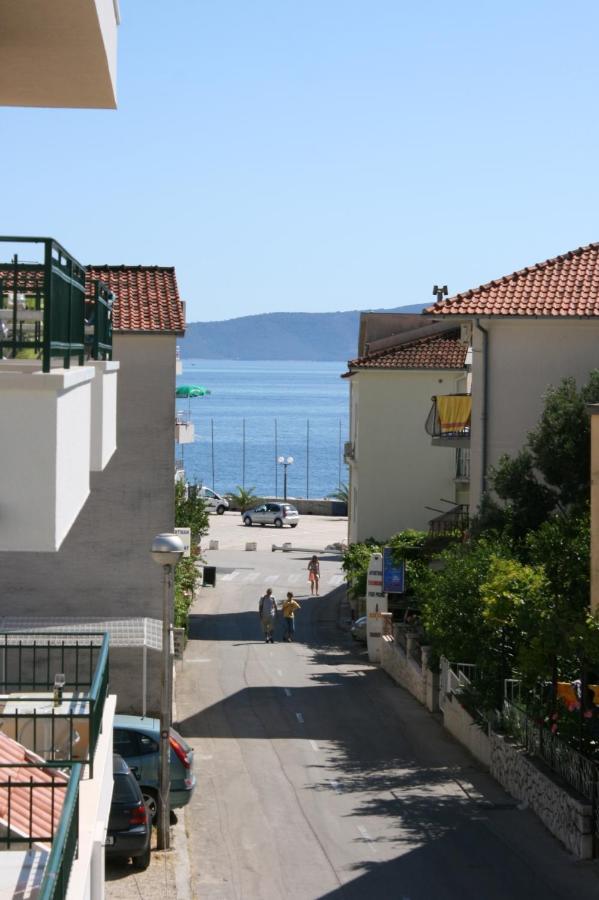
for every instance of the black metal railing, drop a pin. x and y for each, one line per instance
(580, 772)
(43, 306)
(67, 732)
(31, 805)
(448, 430)
(456, 519)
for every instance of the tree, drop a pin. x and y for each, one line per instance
(190, 511)
(342, 493)
(244, 498)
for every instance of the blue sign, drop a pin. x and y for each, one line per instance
(393, 573)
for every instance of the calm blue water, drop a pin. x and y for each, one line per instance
(261, 392)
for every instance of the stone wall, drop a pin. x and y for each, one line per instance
(565, 813)
(417, 679)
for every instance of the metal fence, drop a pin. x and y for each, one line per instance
(577, 770)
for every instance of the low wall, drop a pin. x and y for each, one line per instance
(308, 507)
(565, 813)
(417, 679)
(462, 726)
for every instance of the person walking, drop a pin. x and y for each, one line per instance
(267, 610)
(314, 574)
(289, 607)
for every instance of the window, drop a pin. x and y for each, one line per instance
(125, 743)
(147, 745)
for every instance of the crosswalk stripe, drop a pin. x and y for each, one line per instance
(230, 576)
(270, 579)
(293, 579)
(336, 579)
(253, 577)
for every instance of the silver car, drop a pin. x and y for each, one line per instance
(277, 514)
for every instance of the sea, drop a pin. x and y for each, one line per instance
(259, 410)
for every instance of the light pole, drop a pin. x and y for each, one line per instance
(285, 461)
(167, 550)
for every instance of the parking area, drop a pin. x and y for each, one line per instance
(312, 533)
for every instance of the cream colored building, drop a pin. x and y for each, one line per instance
(397, 479)
(528, 331)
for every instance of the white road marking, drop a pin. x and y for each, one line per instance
(336, 786)
(293, 579)
(299, 718)
(364, 832)
(230, 576)
(254, 577)
(279, 673)
(288, 692)
(204, 758)
(203, 660)
(270, 579)
(314, 746)
(336, 579)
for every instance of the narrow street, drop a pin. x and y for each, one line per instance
(319, 777)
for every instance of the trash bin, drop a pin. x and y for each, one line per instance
(209, 579)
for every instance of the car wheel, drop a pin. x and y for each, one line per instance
(278, 523)
(247, 521)
(293, 525)
(151, 801)
(142, 862)
(262, 524)
(220, 510)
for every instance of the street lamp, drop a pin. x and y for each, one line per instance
(285, 461)
(167, 550)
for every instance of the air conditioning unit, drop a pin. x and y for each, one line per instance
(348, 451)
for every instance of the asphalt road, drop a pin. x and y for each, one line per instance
(318, 777)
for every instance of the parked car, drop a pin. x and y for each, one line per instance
(129, 828)
(277, 514)
(358, 629)
(213, 501)
(137, 739)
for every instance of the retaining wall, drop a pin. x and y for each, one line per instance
(417, 679)
(462, 726)
(566, 814)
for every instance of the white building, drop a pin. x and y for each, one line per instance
(397, 480)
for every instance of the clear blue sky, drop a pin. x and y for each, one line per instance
(305, 155)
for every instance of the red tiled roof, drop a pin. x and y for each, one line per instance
(567, 285)
(434, 352)
(29, 811)
(147, 297)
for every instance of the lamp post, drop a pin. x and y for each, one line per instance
(167, 550)
(285, 461)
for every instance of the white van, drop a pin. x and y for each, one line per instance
(213, 500)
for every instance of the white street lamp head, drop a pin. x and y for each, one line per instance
(167, 549)
(281, 459)
(289, 460)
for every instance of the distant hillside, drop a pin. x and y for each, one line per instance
(310, 336)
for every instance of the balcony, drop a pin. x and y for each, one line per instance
(55, 761)
(450, 522)
(59, 54)
(178, 361)
(57, 390)
(349, 452)
(448, 422)
(184, 429)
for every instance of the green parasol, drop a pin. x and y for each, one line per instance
(189, 391)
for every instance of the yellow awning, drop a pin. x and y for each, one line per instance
(454, 412)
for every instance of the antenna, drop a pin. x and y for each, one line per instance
(439, 292)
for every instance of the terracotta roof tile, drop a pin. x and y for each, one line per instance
(147, 297)
(30, 811)
(567, 285)
(435, 352)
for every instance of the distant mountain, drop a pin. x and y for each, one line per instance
(309, 336)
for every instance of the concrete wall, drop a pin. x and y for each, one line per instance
(396, 473)
(462, 726)
(417, 679)
(525, 357)
(103, 567)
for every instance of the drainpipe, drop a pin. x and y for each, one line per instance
(485, 409)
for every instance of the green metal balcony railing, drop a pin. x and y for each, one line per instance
(66, 732)
(55, 882)
(43, 307)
